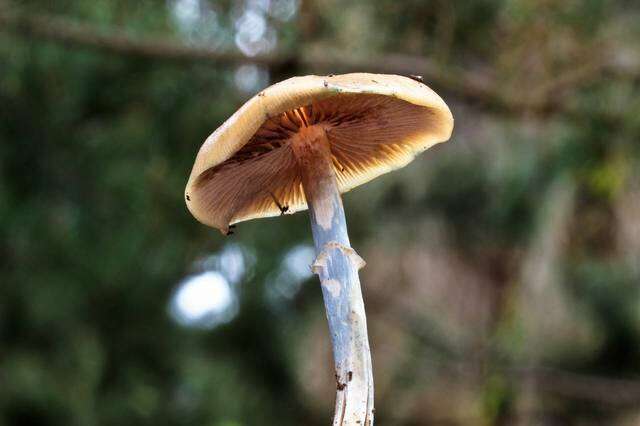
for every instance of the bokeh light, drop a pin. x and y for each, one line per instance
(204, 301)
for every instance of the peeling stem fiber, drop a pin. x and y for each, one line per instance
(337, 266)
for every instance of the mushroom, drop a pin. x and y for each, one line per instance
(299, 144)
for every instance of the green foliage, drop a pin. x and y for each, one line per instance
(95, 150)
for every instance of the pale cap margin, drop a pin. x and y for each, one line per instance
(296, 92)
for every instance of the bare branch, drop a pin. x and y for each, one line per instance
(596, 389)
(76, 34)
(577, 386)
(476, 86)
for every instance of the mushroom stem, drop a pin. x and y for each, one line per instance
(337, 266)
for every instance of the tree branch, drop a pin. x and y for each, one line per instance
(76, 34)
(577, 386)
(475, 86)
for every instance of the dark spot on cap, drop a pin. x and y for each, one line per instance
(187, 197)
(331, 75)
(325, 84)
(350, 375)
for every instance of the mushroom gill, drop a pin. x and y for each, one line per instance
(369, 134)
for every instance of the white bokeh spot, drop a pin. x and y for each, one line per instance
(204, 300)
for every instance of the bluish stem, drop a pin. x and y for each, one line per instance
(337, 266)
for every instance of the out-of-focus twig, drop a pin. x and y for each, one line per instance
(595, 389)
(473, 85)
(568, 80)
(577, 386)
(76, 34)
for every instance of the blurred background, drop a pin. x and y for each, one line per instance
(502, 283)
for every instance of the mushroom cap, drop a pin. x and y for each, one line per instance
(375, 123)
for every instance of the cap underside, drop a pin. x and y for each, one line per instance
(369, 134)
